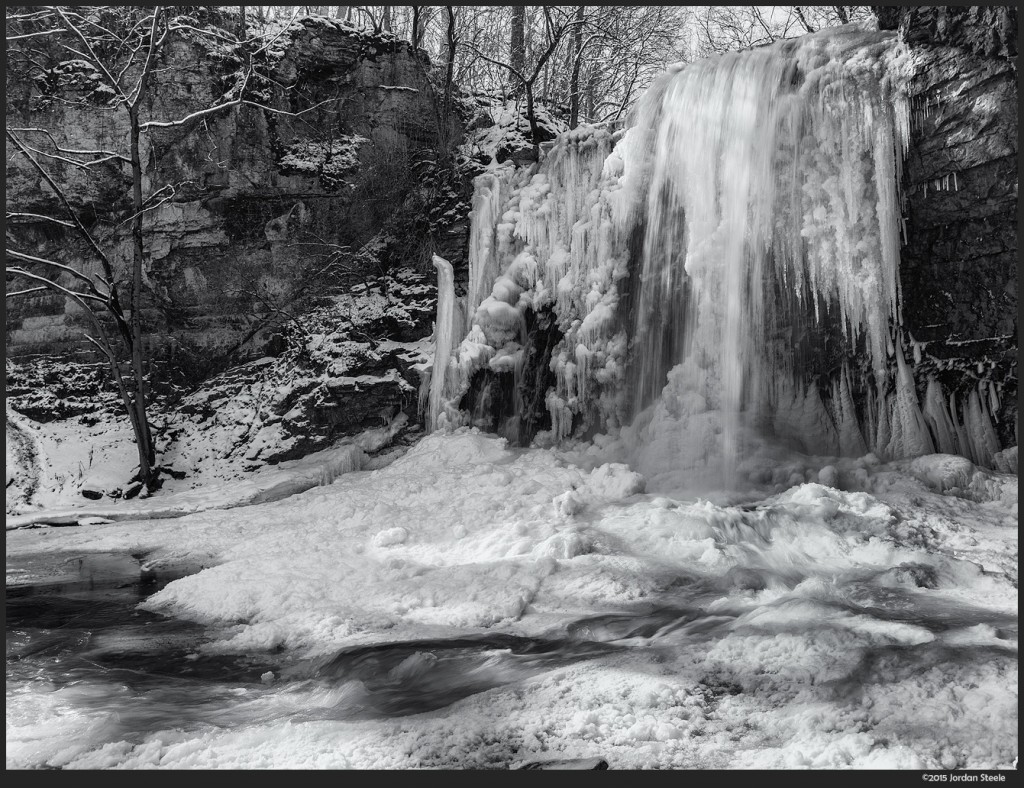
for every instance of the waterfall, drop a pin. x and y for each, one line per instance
(773, 178)
(715, 270)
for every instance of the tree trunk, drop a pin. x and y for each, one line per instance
(414, 36)
(591, 96)
(530, 116)
(803, 19)
(386, 19)
(574, 79)
(241, 23)
(143, 437)
(449, 70)
(517, 47)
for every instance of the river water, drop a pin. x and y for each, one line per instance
(80, 648)
(85, 664)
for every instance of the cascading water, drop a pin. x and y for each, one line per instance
(773, 171)
(725, 271)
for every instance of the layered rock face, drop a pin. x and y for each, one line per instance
(265, 210)
(959, 256)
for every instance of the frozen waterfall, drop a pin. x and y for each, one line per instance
(723, 273)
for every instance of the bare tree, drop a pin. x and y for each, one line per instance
(417, 22)
(725, 28)
(117, 51)
(517, 43)
(449, 70)
(574, 84)
(803, 18)
(556, 26)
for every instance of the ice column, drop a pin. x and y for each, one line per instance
(444, 334)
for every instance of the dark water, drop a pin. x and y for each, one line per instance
(85, 644)
(79, 649)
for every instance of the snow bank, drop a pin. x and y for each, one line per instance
(815, 627)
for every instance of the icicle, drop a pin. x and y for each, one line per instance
(980, 433)
(910, 437)
(443, 339)
(962, 439)
(491, 190)
(768, 185)
(938, 418)
(851, 441)
(993, 397)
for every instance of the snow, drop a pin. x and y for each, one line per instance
(814, 626)
(499, 127)
(820, 593)
(330, 160)
(764, 187)
(267, 484)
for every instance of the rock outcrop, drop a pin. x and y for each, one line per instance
(350, 367)
(266, 209)
(959, 257)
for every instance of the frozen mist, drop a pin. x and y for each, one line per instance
(711, 556)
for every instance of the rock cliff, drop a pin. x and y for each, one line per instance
(266, 210)
(959, 256)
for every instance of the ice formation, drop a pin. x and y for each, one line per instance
(444, 333)
(701, 265)
(548, 239)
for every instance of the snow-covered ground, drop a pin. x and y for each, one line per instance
(846, 613)
(49, 465)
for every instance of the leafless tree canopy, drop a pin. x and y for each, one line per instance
(601, 65)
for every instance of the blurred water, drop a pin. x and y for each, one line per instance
(89, 668)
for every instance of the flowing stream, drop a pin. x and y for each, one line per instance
(85, 644)
(82, 650)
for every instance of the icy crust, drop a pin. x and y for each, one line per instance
(456, 562)
(813, 627)
(540, 534)
(545, 240)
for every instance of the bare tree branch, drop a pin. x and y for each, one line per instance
(92, 57)
(13, 294)
(25, 215)
(108, 268)
(71, 151)
(76, 294)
